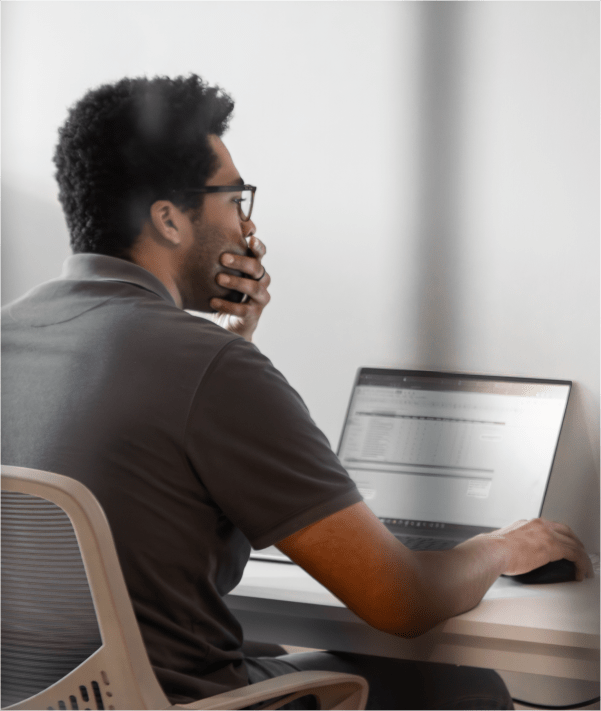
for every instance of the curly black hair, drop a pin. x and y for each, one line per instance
(126, 145)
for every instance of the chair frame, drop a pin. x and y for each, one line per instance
(121, 666)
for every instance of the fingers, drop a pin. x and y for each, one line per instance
(257, 247)
(245, 264)
(565, 543)
(573, 549)
(565, 534)
(259, 299)
(246, 311)
(247, 275)
(257, 290)
(540, 541)
(563, 529)
(254, 281)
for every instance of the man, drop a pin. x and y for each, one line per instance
(195, 445)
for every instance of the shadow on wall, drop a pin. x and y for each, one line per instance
(35, 241)
(439, 295)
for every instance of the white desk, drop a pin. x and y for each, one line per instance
(551, 630)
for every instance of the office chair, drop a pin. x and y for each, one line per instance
(70, 638)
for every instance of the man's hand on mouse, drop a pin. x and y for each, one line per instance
(242, 319)
(531, 544)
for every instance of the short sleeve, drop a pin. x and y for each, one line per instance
(255, 448)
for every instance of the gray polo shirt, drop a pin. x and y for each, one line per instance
(194, 444)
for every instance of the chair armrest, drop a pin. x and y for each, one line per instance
(334, 691)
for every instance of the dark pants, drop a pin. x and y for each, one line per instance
(393, 683)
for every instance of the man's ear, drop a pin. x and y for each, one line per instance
(168, 220)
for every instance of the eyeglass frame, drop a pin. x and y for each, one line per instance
(227, 189)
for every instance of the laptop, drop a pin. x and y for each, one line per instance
(441, 457)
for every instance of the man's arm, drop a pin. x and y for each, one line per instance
(243, 319)
(406, 592)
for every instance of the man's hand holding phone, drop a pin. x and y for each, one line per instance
(241, 310)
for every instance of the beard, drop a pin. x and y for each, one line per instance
(196, 279)
(200, 266)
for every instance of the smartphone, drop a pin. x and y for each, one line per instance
(237, 296)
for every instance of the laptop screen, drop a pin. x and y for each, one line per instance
(464, 449)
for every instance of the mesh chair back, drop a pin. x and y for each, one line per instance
(49, 623)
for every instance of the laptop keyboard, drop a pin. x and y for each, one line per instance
(420, 543)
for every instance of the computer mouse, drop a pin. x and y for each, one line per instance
(557, 571)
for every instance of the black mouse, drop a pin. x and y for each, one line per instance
(557, 571)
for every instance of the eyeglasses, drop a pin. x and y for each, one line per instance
(245, 202)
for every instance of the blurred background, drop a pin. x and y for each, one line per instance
(428, 181)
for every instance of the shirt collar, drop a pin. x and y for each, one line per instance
(100, 267)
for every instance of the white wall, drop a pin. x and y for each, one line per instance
(428, 181)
